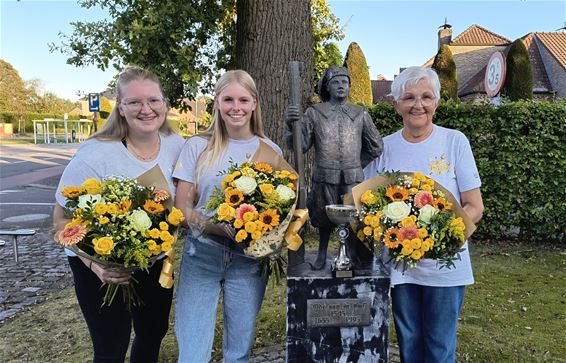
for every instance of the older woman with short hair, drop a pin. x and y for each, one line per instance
(427, 300)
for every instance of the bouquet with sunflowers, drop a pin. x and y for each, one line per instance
(258, 199)
(121, 223)
(413, 217)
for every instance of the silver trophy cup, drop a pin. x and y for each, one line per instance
(341, 215)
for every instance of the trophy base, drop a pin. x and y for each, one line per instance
(342, 273)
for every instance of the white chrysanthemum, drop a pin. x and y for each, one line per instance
(140, 220)
(245, 184)
(396, 211)
(91, 199)
(285, 193)
(426, 213)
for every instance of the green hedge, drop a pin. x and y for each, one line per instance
(13, 118)
(520, 151)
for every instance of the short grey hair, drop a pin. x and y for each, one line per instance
(410, 76)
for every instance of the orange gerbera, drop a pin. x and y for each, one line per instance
(423, 198)
(152, 207)
(72, 235)
(263, 167)
(391, 239)
(397, 193)
(125, 205)
(441, 204)
(234, 197)
(269, 218)
(73, 191)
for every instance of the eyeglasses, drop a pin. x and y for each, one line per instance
(411, 100)
(136, 105)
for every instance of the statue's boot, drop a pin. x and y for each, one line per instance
(322, 249)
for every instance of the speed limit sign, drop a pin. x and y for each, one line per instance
(494, 74)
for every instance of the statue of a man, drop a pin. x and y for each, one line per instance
(345, 141)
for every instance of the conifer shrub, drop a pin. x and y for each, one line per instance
(445, 67)
(360, 89)
(519, 76)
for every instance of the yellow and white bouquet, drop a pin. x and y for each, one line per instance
(120, 223)
(413, 217)
(258, 198)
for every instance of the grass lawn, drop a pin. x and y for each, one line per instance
(516, 312)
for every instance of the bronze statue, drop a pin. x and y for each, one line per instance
(345, 140)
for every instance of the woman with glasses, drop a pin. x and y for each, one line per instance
(135, 138)
(427, 300)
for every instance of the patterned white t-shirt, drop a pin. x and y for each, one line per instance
(446, 157)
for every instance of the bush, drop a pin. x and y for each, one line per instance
(360, 88)
(446, 69)
(519, 77)
(519, 150)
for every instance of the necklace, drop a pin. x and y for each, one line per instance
(138, 155)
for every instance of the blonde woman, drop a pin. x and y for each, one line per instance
(135, 138)
(212, 262)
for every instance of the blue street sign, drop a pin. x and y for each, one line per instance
(93, 102)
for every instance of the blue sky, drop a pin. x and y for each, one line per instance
(392, 34)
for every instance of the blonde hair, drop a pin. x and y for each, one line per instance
(216, 134)
(116, 126)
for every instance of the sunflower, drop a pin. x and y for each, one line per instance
(397, 193)
(391, 239)
(234, 197)
(270, 218)
(441, 204)
(153, 207)
(263, 167)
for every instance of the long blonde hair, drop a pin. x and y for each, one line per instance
(116, 126)
(216, 134)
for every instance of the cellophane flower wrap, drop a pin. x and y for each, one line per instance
(257, 198)
(121, 223)
(412, 216)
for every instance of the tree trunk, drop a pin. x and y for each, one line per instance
(269, 35)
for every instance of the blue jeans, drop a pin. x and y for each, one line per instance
(426, 322)
(205, 271)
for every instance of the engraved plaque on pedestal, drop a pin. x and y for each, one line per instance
(338, 312)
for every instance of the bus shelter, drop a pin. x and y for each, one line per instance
(52, 130)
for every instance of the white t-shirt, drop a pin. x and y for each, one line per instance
(98, 159)
(207, 179)
(446, 157)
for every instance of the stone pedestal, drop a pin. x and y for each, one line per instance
(338, 319)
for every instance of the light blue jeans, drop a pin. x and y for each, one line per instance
(205, 271)
(426, 322)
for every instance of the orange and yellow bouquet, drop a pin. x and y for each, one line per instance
(120, 223)
(413, 217)
(258, 199)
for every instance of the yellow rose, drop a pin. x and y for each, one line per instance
(266, 189)
(250, 216)
(426, 187)
(241, 235)
(92, 186)
(420, 176)
(423, 233)
(377, 232)
(368, 198)
(416, 243)
(375, 221)
(100, 208)
(165, 236)
(150, 244)
(103, 245)
(407, 250)
(112, 209)
(256, 234)
(163, 226)
(225, 212)
(103, 220)
(368, 231)
(154, 233)
(250, 227)
(417, 255)
(368, 219)
(407, 222)
(238, 223)
(165, 246)
(175, 217)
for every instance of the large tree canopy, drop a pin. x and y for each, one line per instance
(185, 42)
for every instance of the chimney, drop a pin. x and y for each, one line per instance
(444, 34)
